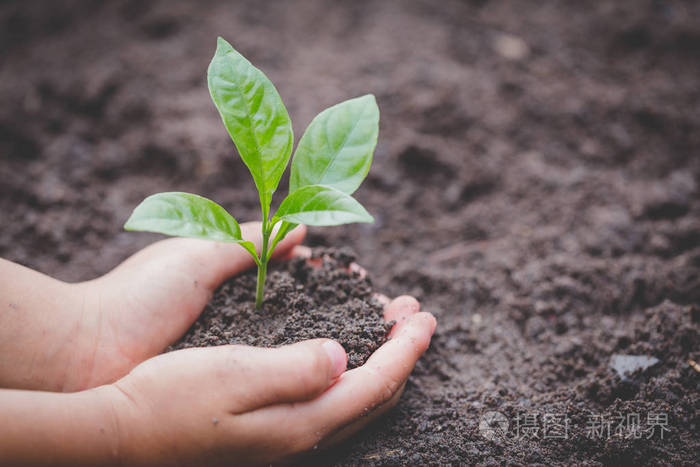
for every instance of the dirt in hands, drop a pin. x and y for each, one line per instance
(304, 299)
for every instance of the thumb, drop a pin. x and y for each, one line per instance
(292, 373)
(224, 264)
(206, 262)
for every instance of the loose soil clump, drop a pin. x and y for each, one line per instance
(303, 300)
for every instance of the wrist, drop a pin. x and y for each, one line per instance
(77, 429)
(110, 409)
(127, 432)
(38, 331)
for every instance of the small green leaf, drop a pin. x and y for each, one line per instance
(254, 115)
(336, 149)
(284, 228)
(186, 215)
(321, 205)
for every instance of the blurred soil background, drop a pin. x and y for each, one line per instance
(535, 186)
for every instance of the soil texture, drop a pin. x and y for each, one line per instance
(302, 301)
(536, 186)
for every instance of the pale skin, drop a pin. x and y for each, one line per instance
(87, 383)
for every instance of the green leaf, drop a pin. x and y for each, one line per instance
(284, 228)
(186, 215)
(336, 149)
(254, 116)
(321, 205)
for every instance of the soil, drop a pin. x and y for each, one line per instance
(303, 300)
(535, 186)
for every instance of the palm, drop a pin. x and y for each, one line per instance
(152, 298)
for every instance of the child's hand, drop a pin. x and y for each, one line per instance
(151, 299)
(235, 405)
(196, 406)
(67, 337)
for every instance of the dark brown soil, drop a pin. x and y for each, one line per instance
(536, 187)
(301, 302)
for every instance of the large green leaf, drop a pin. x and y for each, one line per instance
(186, 215)
(336, 149)
(254, 116)
(321, 205)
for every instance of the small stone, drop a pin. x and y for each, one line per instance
(625, 365)
(511, 47)
(565, 347)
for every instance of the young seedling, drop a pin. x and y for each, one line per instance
(330, 162)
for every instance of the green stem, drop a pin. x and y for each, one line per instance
(262, 272)
(262, 267)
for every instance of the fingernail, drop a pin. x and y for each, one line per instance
(302, 251)
(408, 303)
(434, 325)
(337, 355)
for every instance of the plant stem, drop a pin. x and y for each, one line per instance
(262, 272)
(262, 267)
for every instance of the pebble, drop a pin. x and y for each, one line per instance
(625, 365)
(511, 47)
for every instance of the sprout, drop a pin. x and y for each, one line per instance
(331, 161)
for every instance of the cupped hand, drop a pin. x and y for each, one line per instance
(234, 405)
(150, 300)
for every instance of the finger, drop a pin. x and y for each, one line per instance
(252, 231)
(292, 240)
(299, 448)
(365, 388)
(226, 260)
(357, 393)
(206, 262)
(298, 251)
(358, 424)
(400, 310)
(292, 373)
